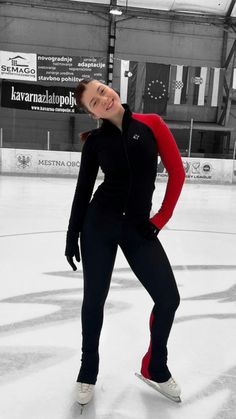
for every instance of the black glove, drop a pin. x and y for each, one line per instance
(72, 249)
(148, 230)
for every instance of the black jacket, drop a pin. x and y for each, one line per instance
(128, 159)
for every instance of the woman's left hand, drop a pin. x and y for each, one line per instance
(148, 230)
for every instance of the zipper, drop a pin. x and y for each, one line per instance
(124, 137)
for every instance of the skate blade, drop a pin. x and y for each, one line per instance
(82, 407)
(151, 384)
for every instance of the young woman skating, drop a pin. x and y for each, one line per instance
(125, 147)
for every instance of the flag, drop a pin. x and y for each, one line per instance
(150, 87)
(206, 86)
(124, 70)
(144, 86)
(132, 84)
(178, 84)
(156, 88)
(199, 81)
(216, 80)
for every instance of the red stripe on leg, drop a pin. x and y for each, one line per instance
(147, 356)
(151, 321)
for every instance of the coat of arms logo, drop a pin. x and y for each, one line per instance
(23, 161)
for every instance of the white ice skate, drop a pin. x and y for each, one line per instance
(169, 388)
(84, 393)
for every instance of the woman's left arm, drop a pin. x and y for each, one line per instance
(170, 156)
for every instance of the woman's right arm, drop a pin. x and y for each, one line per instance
(86, 179)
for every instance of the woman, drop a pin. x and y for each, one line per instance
(126, 148)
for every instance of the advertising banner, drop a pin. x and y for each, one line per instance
(18, 66)
(234, 171)
(40, 162)
(35, 97)
(67, 69)
(63, 163)
(203, 170)
(60, 69)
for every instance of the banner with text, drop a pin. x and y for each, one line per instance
(203, 170)
(41, 162)
(63, 163)
(35, 97)
(67, 69)
(60, 69)
(18, 66)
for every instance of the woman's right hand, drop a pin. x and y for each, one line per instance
(72, 249)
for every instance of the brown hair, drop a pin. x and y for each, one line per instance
(79, 90)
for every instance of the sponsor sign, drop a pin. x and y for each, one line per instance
(70, 70)
(59, 69)
(18, 66)
(23, 161)
(68, 163)
(35, 97)
(234, 171)
(41, 162)
(210, 170)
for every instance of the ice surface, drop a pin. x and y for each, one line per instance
(41, 299)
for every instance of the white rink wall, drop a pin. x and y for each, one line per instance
(64, 163)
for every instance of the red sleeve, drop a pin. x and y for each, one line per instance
(170, 156)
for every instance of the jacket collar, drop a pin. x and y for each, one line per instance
(108, 126)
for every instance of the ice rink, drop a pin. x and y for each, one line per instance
(41, 301)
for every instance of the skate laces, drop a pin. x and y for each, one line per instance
(172, 383)
(84, 387)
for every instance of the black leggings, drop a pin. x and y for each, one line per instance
(101, 234)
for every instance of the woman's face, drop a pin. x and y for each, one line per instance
(101, 100)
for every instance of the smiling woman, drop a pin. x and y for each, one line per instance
(100, 101)
(125, 147)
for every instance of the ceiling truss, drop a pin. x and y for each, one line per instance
(227, 21)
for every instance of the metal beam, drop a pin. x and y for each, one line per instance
(226, 87)
(135, 12)
(224, 116)
(60, 5)
(229, 97)
(230, 9)
(111, 44)
(224, 47)
(232, 51)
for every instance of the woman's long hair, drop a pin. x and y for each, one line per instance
(79, 91)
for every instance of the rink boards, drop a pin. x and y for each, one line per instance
(64, 163)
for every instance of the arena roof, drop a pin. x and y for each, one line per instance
(221, 8)
(215, 12)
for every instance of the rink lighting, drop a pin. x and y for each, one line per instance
(115, 11)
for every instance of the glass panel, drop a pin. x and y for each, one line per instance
(218, 7)
(234, 11)
(205, 144)
(234, 79)
(22, 129)
(93, 1)
(149, 4)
